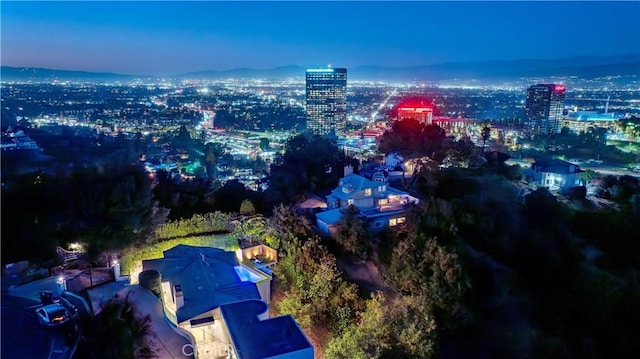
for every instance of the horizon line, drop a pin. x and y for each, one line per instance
(315, 66)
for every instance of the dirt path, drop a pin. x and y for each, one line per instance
(365, 274)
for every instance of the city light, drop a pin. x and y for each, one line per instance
(76, 246)
(320, 70)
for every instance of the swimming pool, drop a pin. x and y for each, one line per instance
(247, 275)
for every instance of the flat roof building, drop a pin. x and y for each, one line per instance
(580, 121)
(253, 337)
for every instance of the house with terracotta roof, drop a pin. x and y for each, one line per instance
(197, 282)
(380, 204)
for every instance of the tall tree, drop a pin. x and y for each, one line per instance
(212, 151)
(288, 231)
(315, 290)
(353, 234)
(485, 133)
(412, 139)
(309, 164)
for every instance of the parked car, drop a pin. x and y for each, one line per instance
(53, 315)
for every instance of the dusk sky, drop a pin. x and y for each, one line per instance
(166, 38)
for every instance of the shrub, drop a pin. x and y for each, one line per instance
(151, 280)
(213, 222)
(247, 208)
(578, 192)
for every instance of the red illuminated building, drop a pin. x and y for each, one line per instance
(417, 110)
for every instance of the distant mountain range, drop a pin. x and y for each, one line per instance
(585, 67)
(8, 73)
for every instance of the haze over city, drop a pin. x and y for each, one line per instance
(169, 38)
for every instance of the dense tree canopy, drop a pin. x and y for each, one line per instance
(397, 327)
(412, 139)
(100, 206)
(538, 266)
(309, 164)
(287, 230)
(315, 292)
(353, 234)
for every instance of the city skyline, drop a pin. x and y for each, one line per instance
(168, 38)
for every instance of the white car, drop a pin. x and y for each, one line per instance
(53, 315)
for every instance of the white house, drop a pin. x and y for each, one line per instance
(198, 281)
(382, 205)
(556, 174)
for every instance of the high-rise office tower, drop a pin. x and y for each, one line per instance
(326, 100)
(543, 108)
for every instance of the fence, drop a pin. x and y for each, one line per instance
(267, 253)
(90, 278)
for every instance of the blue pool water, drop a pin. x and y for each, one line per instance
(247, 275)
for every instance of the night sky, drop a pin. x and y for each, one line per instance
(166, 38)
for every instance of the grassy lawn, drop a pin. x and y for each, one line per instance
(132, 257)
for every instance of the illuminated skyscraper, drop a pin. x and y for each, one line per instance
(326, 100)
(543, 108)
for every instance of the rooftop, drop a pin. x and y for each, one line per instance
(351, 184)
(592, 116)
(331, 216)
(254, 338)
(207, 276)
(556, 166)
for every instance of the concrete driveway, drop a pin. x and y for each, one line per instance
(168, 340)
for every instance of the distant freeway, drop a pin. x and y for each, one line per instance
(600, 168)
(608, 170)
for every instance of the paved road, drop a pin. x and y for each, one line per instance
(609, 170)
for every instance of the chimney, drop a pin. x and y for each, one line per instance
(178, 296)
(348, 169)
